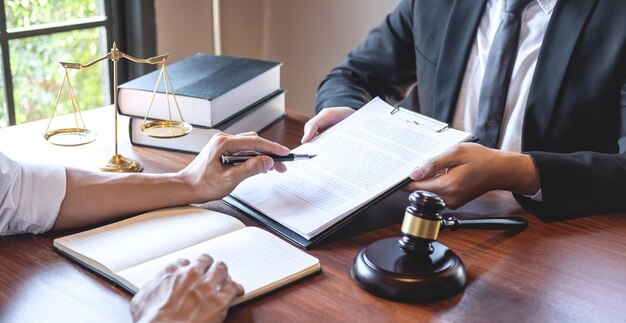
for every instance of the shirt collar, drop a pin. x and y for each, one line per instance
(547, 5)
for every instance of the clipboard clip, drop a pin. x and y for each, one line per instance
(420, 120)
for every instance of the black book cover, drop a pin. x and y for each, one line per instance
(204, 76)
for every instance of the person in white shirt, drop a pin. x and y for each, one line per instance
(559, 142)
(38, 198)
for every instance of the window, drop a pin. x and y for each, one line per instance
(35, 35)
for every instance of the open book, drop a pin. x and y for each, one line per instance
(360, 160)
(133, 251)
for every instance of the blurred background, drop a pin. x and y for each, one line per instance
(308, 37)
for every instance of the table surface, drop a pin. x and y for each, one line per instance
(564, 271)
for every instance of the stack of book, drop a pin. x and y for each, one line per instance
(214, 93)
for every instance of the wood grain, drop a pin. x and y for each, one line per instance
(563, 271)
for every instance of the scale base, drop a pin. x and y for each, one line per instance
(121, 164)
(386, 270)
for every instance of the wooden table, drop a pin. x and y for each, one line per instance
(566, 271)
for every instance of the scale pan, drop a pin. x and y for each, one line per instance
(70, 136)
(166, 129)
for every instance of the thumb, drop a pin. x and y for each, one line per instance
(251, 167)
(310, 129)
(433, 166)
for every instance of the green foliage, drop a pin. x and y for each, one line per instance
(25, 13)
(37, 74)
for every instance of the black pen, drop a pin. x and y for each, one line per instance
(238, 159)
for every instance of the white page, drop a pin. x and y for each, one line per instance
(256, 259)
(138, 239)
(357, 160)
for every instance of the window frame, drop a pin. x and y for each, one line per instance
(129, 23)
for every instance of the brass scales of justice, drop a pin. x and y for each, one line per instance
(80, 135)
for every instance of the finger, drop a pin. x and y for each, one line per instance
(182, 263)
(238, 144)
(279, 167)
(251, 167)
(197, 270)
(437, 185)
(230, 290)
(170, 269)
(216, 276)
(240, 290)
(330, 117)
(324, 120)
(436, 165)
(167, 271)
(203, 263)
(189, 277)
(310, 130)
(248, 134)
(452, 198)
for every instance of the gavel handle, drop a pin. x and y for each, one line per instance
(498, 223)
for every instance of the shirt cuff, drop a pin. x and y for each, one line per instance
(538, 197)
(42, 191)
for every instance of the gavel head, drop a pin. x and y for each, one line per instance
(415, 267)
(422, 222)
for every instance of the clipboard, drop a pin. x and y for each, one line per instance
(292, 236)
(425, 121)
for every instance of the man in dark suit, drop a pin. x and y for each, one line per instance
(560, 147)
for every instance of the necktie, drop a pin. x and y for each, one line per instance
(497, 78)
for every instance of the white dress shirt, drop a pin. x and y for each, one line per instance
(30, 196)
(535, 20)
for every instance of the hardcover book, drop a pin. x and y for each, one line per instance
(257, 118)
(209, 89)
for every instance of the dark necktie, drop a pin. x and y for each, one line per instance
(497, 78)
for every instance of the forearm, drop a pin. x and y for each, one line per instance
(517, 173)
(98, 197)
(338, 89)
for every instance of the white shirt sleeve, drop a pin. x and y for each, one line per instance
(30, 196)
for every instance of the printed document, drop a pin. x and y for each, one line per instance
(360, 158)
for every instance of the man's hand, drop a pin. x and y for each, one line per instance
(112, 196)
(324, 120)
(211, 180)
(187, 293)
(469, 170)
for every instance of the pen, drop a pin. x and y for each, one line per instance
(238, 159)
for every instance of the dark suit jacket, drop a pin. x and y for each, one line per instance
(576, 113)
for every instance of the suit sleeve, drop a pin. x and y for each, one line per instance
(382, 65)
(581, 183)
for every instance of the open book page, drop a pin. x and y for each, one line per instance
(256, 259)
(147, 236)
(357, 160)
